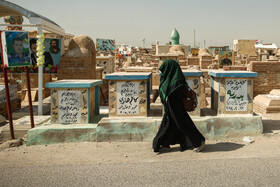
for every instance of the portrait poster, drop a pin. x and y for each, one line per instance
(15, 46)
(53, 46)
(52, 51)
(105, 44)
(222, 55)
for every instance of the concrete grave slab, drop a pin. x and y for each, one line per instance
(21, 126)
(144, 129)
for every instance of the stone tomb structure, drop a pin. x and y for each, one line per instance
(142, 69)
(129, 93)
(79, 62)
(15, 102)
(107, 62)
(193, 61)
(47, 77)
(74, 101)
(193, 80)
(267, 103)
(232, 92)
(163, 57)
(268, 76)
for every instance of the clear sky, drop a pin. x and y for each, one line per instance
(218, 22)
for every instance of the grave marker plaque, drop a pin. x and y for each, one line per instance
(127, 98)
(69, 106)
(236, 95)
(129, 93)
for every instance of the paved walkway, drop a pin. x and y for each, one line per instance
(222, 163)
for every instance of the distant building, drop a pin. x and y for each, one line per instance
(245, 47)
(214, 50)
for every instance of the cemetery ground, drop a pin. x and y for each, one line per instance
(222, 163)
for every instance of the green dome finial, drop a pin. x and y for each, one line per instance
(175, 37)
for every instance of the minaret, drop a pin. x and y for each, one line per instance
(175, 37)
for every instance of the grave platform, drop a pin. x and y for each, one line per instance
(267, 103)
(144, 129)
(232, 92)
(74, 101)
(21, 126)
(129, 93)
(193, 79)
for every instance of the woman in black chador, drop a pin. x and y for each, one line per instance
(176, 126)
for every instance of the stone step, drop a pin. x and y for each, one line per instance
(144, 129)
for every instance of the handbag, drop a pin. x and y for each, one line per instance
(189, 100)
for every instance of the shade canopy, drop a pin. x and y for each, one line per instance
(11, 9)
(42, 23)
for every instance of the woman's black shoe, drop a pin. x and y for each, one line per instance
(156, 150)
(183, 148)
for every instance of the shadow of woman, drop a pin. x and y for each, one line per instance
(221, 147)
(218, 147)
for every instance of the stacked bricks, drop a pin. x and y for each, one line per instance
(235, 68)
(270, 103)
(79, 62)
(153, 50)
(146, 58)
(250, 59)
(15, 105)
(193, 61)
(15, 102)
(182, 60)
(243, 61)
(33, 77)
(268, 76)
(205, 61)
(13, 79)
(76, 68)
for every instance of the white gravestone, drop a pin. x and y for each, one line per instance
(69, 106)
(236, 95)
(128, 98)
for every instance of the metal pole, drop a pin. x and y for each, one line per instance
(193, 38)
(40, 82)
(9, 109)
(29, 96)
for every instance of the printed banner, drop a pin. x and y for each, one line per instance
(52, 51)
(236, 95)
(105, 44)
(15, 46)
(225, 55)
(128, 98)
(125, 49)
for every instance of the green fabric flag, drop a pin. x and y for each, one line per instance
(171, 79)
